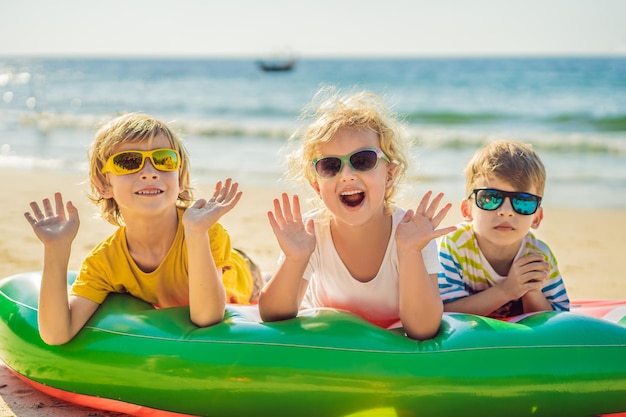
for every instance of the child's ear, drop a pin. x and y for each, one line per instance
(466, 210)
(315, 186)
(392, 171)
(538, 217)
(104, 190)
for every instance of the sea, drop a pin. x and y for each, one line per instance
(235, 118)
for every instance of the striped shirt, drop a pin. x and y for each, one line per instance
(466, 271)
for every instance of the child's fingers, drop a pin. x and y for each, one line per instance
(278, 212)
(443, 231)
(218, 188)
(407, 216)
(310, 227)
(287, 213)
(230, 190)
(232, 201)
(38, 215)
(430, 212)
(199, 203)
(60, 208)
(272, 220)
(297, 213)
(441, 214)
(30, 219)
(421, 208)
(47, 207)
(72, 211)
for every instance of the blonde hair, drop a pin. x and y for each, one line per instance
(327, 113)
(131, 128)
(514, 162)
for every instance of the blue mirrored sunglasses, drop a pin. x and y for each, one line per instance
(490, 199)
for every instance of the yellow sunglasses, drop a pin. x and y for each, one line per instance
(128, 162)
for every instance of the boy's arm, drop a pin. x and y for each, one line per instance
(281, 297)
(526, 278)
(207, 297)
(59, 317)
(481, 303)
(536, 301)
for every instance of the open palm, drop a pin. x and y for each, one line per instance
(295, 238)
(54, 225)
(205, 213)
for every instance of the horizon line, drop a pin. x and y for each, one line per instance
(315, 56)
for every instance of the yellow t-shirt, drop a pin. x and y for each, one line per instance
(110, 268)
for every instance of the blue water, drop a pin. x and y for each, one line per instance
(235, 118)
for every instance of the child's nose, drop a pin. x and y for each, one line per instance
(346, 172)
(148, 169)
(506, 209)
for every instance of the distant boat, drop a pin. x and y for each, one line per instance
(276, 65)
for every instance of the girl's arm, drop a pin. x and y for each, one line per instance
(207, 297)
(281, 297)
(59, 317)
(421, 308)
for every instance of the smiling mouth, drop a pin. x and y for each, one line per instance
(149, 192)
(352, 198)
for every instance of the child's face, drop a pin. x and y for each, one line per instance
(353, 196)
(147, 191)
(500, 228)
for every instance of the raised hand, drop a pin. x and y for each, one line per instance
(54, 226)
(295, 238)
(419, 227)
(205, 213)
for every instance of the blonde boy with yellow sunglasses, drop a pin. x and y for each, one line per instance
(139, 176)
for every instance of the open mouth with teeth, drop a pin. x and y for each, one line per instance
(149, 192)
(352, 198)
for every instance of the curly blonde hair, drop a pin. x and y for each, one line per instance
(330, 111)
(131, 128)
(514, 162)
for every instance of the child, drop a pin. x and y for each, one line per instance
(492, 264)
(139, 174)
(358, 252)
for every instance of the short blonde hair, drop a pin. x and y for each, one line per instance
(514, 162)
(328, 112)
(131, 128)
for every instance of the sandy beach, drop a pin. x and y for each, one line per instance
(586, 242)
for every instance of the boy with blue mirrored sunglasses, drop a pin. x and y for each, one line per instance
(493, 265)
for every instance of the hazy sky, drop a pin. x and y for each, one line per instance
(312, 27)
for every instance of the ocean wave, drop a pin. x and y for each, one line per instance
(46, 122)
(596, 143)
(606, 123)
(454, 118)
(446, 136)
(561, 122)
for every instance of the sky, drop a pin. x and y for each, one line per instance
(312, 28)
